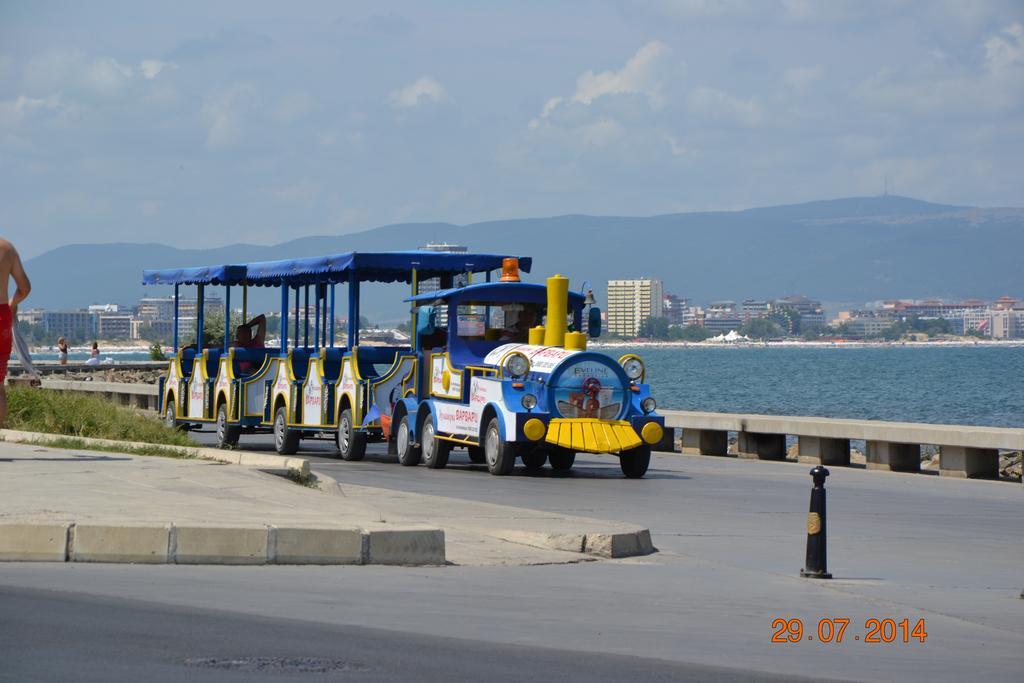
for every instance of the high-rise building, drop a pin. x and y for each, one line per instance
(675, 308)
(69, 323)
(630, 302)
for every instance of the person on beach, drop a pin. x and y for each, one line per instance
(62, 351)
(94, 355)
(10, 267)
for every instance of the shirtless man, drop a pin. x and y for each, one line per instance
(10, 267)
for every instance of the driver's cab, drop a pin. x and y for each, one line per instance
(470, 322)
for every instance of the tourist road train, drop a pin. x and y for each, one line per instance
(499, 367)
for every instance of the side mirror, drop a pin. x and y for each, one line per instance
(426, 320)
(594, 322)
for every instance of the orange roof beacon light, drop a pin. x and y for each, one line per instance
(510, 270)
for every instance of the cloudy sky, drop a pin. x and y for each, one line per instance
(213, 123)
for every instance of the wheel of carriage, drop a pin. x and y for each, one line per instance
(534, 460)
(351, 442)
(561, 460)
(476, 455)
(409, 453)
(286, 440)
(634, 463)
(171, 417)
(499, 454)
(435, 450)
(227, 434)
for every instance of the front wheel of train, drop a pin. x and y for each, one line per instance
(409, 453)
(286, 440)
(351, 443)
(534, 460)
(634, 463)
(435, 450)
(562, 460)
(499, 454)
(227, 434)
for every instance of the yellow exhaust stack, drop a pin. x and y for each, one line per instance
(537, 335)
(558, 305)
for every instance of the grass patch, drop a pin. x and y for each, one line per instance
(80, 415)
(71, 443)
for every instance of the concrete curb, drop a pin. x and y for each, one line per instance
(212, 544)
(599, 544)
(247, 459)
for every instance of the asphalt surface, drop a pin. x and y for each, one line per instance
(731, 536)
(50, 635)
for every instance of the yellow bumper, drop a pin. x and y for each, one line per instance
(591, 435)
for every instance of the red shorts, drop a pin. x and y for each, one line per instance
(6, 338)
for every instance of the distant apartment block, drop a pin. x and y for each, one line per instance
(630, 302)
(723, 323)
(812, 315)
(675, 309)
(752, 308)
(114, 326)
(156, 308)
(1007, 324)
(69, 323)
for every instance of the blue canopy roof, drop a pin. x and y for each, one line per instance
(203, 275)
(497, 292)
(392, 266)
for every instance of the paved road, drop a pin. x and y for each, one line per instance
(731, 535)
(49, 635)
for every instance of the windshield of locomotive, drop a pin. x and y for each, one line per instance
(504, 323)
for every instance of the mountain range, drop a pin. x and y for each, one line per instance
(849, 250)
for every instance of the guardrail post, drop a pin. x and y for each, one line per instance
(819, 450)
(705, 441)
(893, 457)
(751, 445)
(968, 463)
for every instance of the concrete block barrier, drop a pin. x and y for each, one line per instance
(219, 545)
(146, 544)
(597, 543)
(34, 542)
(396, 546)
(626, 544)
(570, 543)
(292, 545)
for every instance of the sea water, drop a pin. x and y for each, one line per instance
(975, 385)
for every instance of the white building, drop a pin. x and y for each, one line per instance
(630, 302)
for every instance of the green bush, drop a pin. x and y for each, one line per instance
(75, 414)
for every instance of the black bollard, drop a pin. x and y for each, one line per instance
(815, 565)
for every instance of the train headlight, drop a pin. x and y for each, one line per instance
(517, 365)
(529, 401)
(633, 366)
(648, 404)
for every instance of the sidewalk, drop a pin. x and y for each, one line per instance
(44, 486)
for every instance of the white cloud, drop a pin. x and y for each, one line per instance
(1006, 49)
(421, 91)
(151, 68)
(802, 76)
(718, 105)
(17, 109)
(292, 107)
(601, 133)
(639, 76)
(223, 116)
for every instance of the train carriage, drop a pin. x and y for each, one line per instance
(497, 367)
